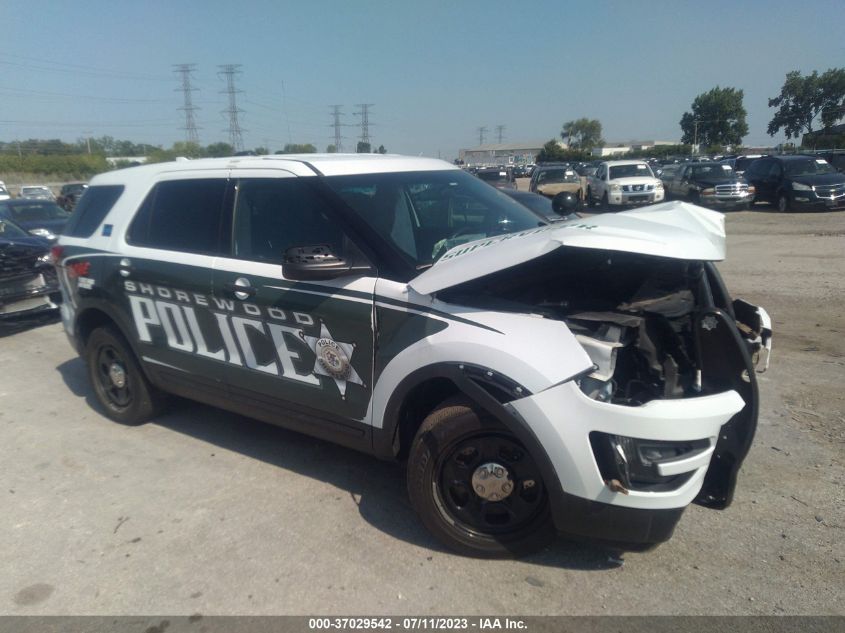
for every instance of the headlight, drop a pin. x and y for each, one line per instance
(708, 192)
(797, 186)
(46, 258)
(751, 189)
(45, 233)
(615, 188)
(658, 184)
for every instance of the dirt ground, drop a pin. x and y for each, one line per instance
(206, 512)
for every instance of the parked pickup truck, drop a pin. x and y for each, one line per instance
(710, 184)
(619, 183)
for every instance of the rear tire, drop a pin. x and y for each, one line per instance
(449, 461)
(122, 389)
(783, 204)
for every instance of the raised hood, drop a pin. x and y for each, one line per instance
(678, 230)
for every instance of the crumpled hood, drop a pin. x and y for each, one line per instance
(676, 229)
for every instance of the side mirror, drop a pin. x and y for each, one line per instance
(318, 263)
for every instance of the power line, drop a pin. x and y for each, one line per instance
(364, 113)
(229, 71)
(336, 124)
(500, 132)
(185, 70)
(482, 134)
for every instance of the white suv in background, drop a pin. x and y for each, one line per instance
(624, 183)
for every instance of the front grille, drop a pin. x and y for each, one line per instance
(826, 191)
(637, 188)
(733, 189)
(16, 260)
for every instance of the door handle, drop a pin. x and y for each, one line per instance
(241, 288)
(124, 267)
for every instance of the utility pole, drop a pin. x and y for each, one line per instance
(229, 71)
(482, 134)
(185, 71)
(500, 130)
(336, 124)
(364, 113)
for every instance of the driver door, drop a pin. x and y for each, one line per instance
(306, 348)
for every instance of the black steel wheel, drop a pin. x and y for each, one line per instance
(476, 487)
(119, 383)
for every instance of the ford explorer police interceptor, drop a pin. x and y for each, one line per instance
(591, 376)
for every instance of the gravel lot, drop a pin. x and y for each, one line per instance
(206, 512)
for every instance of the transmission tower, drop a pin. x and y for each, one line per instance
(185, 70)
(500, 132)
(482, 134)
(336, 124)
(364, 113)
(229, 71)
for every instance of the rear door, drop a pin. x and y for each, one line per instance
(164, 280)
(306, 348)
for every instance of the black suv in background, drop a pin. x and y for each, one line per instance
(709, 184)
(797, 183)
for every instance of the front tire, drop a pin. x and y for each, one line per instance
(475, 486)
(122, 389)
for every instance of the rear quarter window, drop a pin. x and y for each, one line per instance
(92, 209)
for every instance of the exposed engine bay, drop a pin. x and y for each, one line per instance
(640, 318)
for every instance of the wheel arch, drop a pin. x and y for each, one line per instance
(100, 314)
(422, 391)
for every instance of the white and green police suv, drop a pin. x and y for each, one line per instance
(591, 377)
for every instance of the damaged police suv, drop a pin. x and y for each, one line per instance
(591, 376)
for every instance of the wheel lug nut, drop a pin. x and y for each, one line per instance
(499, 472)
(479, 489)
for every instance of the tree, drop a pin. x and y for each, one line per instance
(331, 149)
(217, 150)
(298, 148)
(363, 148)
(381, 149)
(187, 149)
(552, 152)
(582, 133)
(804, 99)
(717, 118)
(261, 151)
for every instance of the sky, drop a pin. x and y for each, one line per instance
(435, 71)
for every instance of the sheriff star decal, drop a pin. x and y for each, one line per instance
(334, 359)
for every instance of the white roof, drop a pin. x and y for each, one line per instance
(300, 164)
(617, 163)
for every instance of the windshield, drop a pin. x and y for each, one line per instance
(809, 167)
(630, 171)
(10, 231)
(712, 171)
(424, 214)
(34, 211)
(558, 175)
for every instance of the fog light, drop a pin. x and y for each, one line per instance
(634, 462)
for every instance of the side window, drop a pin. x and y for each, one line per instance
(91, 210)
(181, 215)
(757, 168)
(274, 214)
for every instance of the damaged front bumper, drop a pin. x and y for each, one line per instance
(566, 422)
(31, 294)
